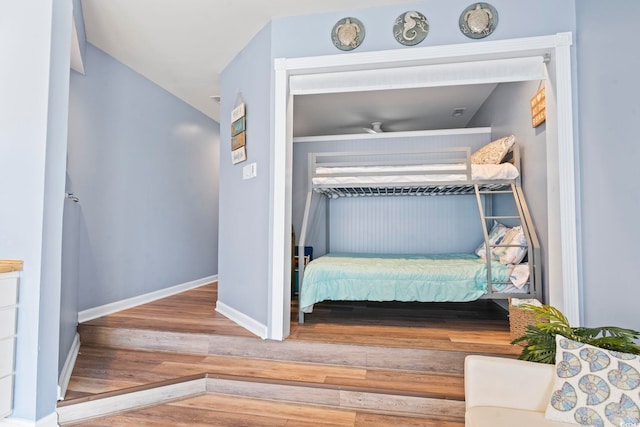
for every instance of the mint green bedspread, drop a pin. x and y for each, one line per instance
(372, 277)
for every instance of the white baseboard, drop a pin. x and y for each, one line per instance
(103, 310)
(67, 369)
(242, 319)
(50, 420)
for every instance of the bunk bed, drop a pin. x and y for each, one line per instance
(417, 277)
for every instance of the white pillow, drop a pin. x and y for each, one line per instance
(594, 387)
(501, 171)
(496, 235)
(493, 152)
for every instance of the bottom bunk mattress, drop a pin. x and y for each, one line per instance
(374, 277)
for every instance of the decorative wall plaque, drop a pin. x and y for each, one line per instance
(347, 34)
(478, 20)
(410, 28)
(538, 108)
(238, 132)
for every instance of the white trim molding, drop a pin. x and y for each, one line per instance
(128, 401)
(242, 319)
(567, 190)
(388, 135)
(279, 295)
(418, 76)
(114, 307)
(67, 369)
(557, 46)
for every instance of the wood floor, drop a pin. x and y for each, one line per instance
(204, 411)
(341, 367)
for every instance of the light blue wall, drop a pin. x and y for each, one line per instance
(32, 145)
(311, 35)
(389, 224)
(244, 252)
(507, 112)
(70, 282)
(70, 241)
(608, 93)
(245, 204)
(50, 291)
(144, 165)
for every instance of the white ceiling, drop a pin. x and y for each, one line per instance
(183, 45)
(397, 110)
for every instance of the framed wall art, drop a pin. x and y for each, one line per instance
(238, 134)
(538, 107)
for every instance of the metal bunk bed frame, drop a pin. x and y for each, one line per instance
(482, 189)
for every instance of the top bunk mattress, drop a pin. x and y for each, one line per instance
(412, 174)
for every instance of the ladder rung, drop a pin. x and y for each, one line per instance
(495, 191)
(502, 217)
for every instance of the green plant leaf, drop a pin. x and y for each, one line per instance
(539, 340)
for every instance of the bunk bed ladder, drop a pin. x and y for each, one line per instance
(535, 276)
(524, 219)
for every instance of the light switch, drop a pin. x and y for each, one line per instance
(249, 171)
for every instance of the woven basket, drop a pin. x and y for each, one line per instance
(519, 319)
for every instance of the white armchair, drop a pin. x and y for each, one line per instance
(501, 392)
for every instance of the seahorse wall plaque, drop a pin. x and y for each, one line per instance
(410, 28)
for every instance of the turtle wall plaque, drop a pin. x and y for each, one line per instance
(347, 34)
(410, 28)
(478, 20)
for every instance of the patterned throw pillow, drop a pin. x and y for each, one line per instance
(495, 237)
(493, 152)
(512, 254)
(595, 387)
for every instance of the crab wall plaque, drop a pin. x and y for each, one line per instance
(347, 34)
(410, 28)
(478, 20)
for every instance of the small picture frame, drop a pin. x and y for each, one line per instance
(237, 141)
(239, 155)
(238, 126)
(237, 112)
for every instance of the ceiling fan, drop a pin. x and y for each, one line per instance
(376, 127)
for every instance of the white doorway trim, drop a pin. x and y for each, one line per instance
(558, 46)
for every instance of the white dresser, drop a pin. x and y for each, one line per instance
(8, 319)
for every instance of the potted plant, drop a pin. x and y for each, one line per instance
(539, 340)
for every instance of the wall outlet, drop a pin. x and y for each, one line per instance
(249, 171)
